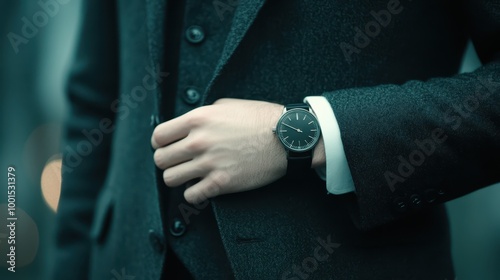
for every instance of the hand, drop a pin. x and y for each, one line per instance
(229, 146)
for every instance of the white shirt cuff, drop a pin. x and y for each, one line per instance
(337, 173)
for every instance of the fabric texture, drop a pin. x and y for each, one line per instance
(397, 86)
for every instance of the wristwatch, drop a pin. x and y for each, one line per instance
(299, 132)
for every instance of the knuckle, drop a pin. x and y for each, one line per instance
(195, 145)
(221, 178)
(157, 157)
(193, 195)
(215, 185)
(169, 178)
(156, 138)
(221, 100)
(213, 189)
(195, 117)
(204, 163)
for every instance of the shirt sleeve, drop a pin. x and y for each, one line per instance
(336, 173)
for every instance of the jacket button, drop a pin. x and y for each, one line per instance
(195, 34)
(400, 205)
(177, 228)
(430, 195)
(191, 96)
(416, 200)
(157, 241)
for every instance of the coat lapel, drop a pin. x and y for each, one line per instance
(244, 16)
(156, 11)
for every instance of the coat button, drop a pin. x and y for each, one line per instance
(195, 34)
(191, 96)
(157, 241)
(416, 200)
(177, 228)
(400, 205)
(430, 195)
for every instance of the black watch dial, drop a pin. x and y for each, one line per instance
(298, 130)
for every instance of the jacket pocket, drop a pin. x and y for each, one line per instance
(103, 217)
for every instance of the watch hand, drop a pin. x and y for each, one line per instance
(296, 129)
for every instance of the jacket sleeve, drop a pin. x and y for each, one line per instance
(421, 143)
(92, 87)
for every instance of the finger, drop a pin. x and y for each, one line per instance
(224, 100)
(175, 153)
(169, 132)
(212, 185)
(183, 173)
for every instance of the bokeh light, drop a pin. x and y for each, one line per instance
(51, 182)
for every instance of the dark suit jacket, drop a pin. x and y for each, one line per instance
(415, 135)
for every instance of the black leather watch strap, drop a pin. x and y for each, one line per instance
(298, 163)
(297, 106)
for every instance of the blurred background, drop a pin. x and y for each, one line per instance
(33, 107)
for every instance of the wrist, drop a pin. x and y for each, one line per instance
(319, 156)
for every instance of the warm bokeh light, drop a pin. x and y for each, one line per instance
(51, 182)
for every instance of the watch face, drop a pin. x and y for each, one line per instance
(298, 130)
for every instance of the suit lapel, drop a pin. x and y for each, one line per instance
(244, 16)
(156, 11)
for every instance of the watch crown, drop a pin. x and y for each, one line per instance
(274, 130)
